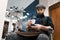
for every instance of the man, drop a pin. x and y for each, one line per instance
(42, 25)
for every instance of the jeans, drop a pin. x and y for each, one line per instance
(15, 36)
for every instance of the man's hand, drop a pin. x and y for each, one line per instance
(37, 27)
(29, 23)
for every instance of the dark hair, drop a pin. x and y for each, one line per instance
(40, 6)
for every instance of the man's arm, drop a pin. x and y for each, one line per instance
(46, 28)
(41, 27)
(49, 22)
(49, 25)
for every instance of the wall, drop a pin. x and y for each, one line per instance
(3, 5)
(51, 2)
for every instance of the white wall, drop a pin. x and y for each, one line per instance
(51, 2)
(3, 5)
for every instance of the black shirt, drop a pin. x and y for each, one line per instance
(44, 20)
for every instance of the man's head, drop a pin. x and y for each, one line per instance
(40, 9)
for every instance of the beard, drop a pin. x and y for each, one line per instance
(40, 15)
